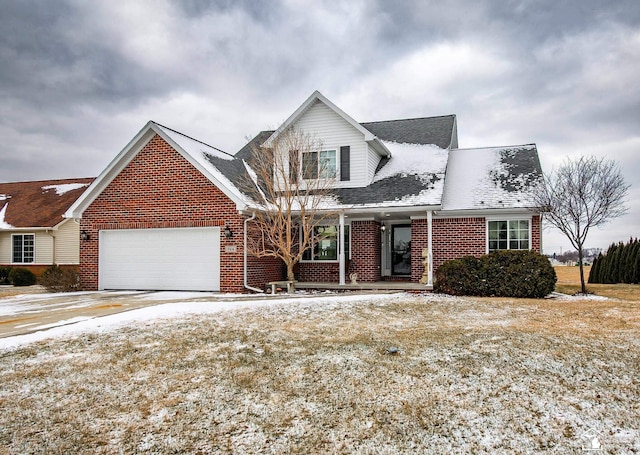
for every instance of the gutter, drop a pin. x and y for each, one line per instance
(246, 283)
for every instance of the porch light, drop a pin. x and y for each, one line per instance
(227, 232)
(383, 228)
(84, 235)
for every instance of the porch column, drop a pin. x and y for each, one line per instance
(341, 250)
(430, 248)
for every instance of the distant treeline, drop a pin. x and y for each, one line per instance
(621, 264)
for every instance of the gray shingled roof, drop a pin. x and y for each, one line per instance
(427, 130)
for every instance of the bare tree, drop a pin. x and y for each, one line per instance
(292, 183)
(580, 195)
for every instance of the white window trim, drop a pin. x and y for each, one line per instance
(506, 218)
(335, 178)
(34, 248)
(330, 261)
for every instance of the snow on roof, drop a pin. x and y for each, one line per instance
(489, 178)
(413, 159)
(3, 223)
(205, 156)
(64, 188)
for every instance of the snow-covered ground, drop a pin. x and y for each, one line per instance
(314, 375)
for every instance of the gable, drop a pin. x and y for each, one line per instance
(209, 161)
(157, 184)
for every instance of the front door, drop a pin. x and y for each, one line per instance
(401, 250)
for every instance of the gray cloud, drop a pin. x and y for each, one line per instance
(79, 79)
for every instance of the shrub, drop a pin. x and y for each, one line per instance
(506, 273)
(57, 279)
(4, 275)
(21, 277)
(460, 277)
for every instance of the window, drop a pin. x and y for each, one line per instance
(319, 165)
(508, 235)
(23, 248)
(326, 248)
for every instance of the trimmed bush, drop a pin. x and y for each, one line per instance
(462, 276)
(57, 279)
(21, 277)
(4, 275)
(506, 273)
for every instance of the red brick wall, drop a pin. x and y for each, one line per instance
(457, 237)
(161, 189)
(320, 271)
(365, 250)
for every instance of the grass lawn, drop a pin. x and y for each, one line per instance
(317, 376)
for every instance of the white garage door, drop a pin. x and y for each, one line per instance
(186, 259)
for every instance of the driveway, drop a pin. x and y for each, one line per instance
(27, 310)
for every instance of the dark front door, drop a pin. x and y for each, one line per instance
(401, 250)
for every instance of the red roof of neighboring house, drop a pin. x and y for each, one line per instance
(38, 204)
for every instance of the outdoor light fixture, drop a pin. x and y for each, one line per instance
(84, 235)
(227, 232)
(383, 228)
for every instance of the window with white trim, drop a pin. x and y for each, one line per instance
(23, 248)
(509, 235)
(327, 245)
(321, 164)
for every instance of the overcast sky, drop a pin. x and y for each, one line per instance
(78, 79)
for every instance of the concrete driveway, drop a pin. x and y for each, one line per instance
(31, 309)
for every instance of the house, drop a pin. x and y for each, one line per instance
(33, 232)
(170, 212)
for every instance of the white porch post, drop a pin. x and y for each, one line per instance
(341, 249)
(430, 247)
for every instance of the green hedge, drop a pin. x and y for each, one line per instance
(21, 277)
(506, 273)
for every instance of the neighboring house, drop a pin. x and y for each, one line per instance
(33, 232)
(169, 211)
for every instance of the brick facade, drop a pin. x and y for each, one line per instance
(366, 244)
(161, 189)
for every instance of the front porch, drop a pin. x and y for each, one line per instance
(373, 286)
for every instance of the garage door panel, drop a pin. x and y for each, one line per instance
(162, 259)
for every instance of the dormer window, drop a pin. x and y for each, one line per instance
(321, 164)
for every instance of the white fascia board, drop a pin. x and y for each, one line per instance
(111, 171)
(487, 213)
(368, 136)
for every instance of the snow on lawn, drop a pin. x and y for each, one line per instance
(146, 315)
(315, 375)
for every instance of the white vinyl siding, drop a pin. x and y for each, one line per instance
(373, 159)
(5, 248)
(324, 124)
(67, 243)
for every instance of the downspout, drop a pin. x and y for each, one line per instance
(430, 248)
(341, 256)
(246, 278)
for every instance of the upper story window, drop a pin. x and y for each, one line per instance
(509, 235)
(321, 164)
(23, 248)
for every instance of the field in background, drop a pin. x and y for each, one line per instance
(569, 283)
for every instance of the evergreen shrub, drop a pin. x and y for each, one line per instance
(4, 275)
(506, 273)
(21, 277)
